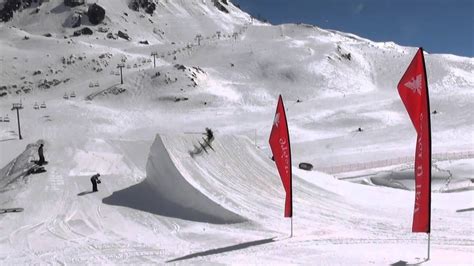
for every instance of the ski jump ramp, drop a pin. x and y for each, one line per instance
(166, 192)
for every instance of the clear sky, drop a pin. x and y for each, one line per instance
(439, 26)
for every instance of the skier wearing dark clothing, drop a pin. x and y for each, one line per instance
(41, 160)
(95, 180)
(209, 135)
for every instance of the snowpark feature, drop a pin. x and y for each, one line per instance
(229, 84)
(166, 192)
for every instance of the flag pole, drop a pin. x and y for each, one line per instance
(429, 240)
(430, 147)
(291, 234)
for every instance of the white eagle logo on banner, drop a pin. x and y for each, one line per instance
(415, 84)
(276, 121)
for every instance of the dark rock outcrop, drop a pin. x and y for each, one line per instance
(6, 14)
(148, 6)
(180, 67)
(87, 31)
(10, 6)
(110, 35)
(83, 31)
(96, 14)
(134, 6)
(219, 6)
(123, 35)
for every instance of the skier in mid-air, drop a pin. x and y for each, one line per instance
(209, 135)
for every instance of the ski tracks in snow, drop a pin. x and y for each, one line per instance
(56, 182)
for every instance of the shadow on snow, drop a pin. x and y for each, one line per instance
(225, 249)
(142, 197)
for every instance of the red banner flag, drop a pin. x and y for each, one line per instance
(280, 145)
(413, 90)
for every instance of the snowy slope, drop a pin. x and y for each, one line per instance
(230, 83)
(330, 215)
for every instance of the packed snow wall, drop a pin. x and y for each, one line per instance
(166, 192)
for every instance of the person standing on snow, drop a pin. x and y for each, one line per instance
(95, 180)
(41, 160)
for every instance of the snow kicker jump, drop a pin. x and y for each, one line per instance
(166, 192)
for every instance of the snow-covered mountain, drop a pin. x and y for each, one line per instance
(217, 67)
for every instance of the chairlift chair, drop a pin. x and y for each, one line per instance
(36, 106)
(73, 95)
(96, 84)
(128, 67)
(6, 119)
(1, 119)
(43, 105)
(91, 84)
(65, 96)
